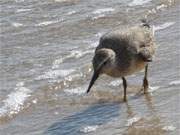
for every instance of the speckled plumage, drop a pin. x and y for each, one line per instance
(124, 51)
(133, 47)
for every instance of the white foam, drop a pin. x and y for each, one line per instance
(14, 102)
(15, 24)
(20, 84)
(34, 101)
(94, 44)
(153, 88)
(57, 62)
(76, 91)
(56, 113)
(115, 83)
(19, 0)
(103, 10)
(45, 23)
(169, 128)
(61, 0)
(71, 77)
(79, 54)
(164, 26)
(177, 82)
(99, 34)
(132, 120)
(23, 10)
(53, 74)
(99, 16)
(138, 2)
(71, 12)
(152, 11)
(88, 129)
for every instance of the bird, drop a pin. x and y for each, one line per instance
(124, 51)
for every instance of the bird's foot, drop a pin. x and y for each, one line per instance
(144, 90)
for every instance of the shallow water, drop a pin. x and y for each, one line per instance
(46, 52)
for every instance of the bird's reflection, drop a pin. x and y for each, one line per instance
(149, 102)
(129, 111)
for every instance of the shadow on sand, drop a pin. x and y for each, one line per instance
(100, 114)
(97, 114)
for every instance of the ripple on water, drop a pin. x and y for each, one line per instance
(164, 26)
(169, 128)
(71, 12)
(19, 1)
(45, 23)
(61, 0)
(174, 83)
(138, 2)
(73, 54)
(15, 24)
(23, 10)
(98, 16)
(103, 10)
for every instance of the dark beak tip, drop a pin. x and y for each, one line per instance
(88, 90)
(93, 79)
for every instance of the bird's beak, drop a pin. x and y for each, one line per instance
(96, 73)
(93, 79)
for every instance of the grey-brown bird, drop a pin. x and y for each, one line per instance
(123, 52)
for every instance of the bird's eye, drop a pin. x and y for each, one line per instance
(105, 63)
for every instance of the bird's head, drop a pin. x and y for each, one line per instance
(102, 62)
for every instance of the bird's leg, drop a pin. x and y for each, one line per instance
(125, 86)
(145, 81)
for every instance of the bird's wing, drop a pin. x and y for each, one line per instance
(141, 42)
(136, 40)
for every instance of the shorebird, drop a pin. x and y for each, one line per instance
(123, 52)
